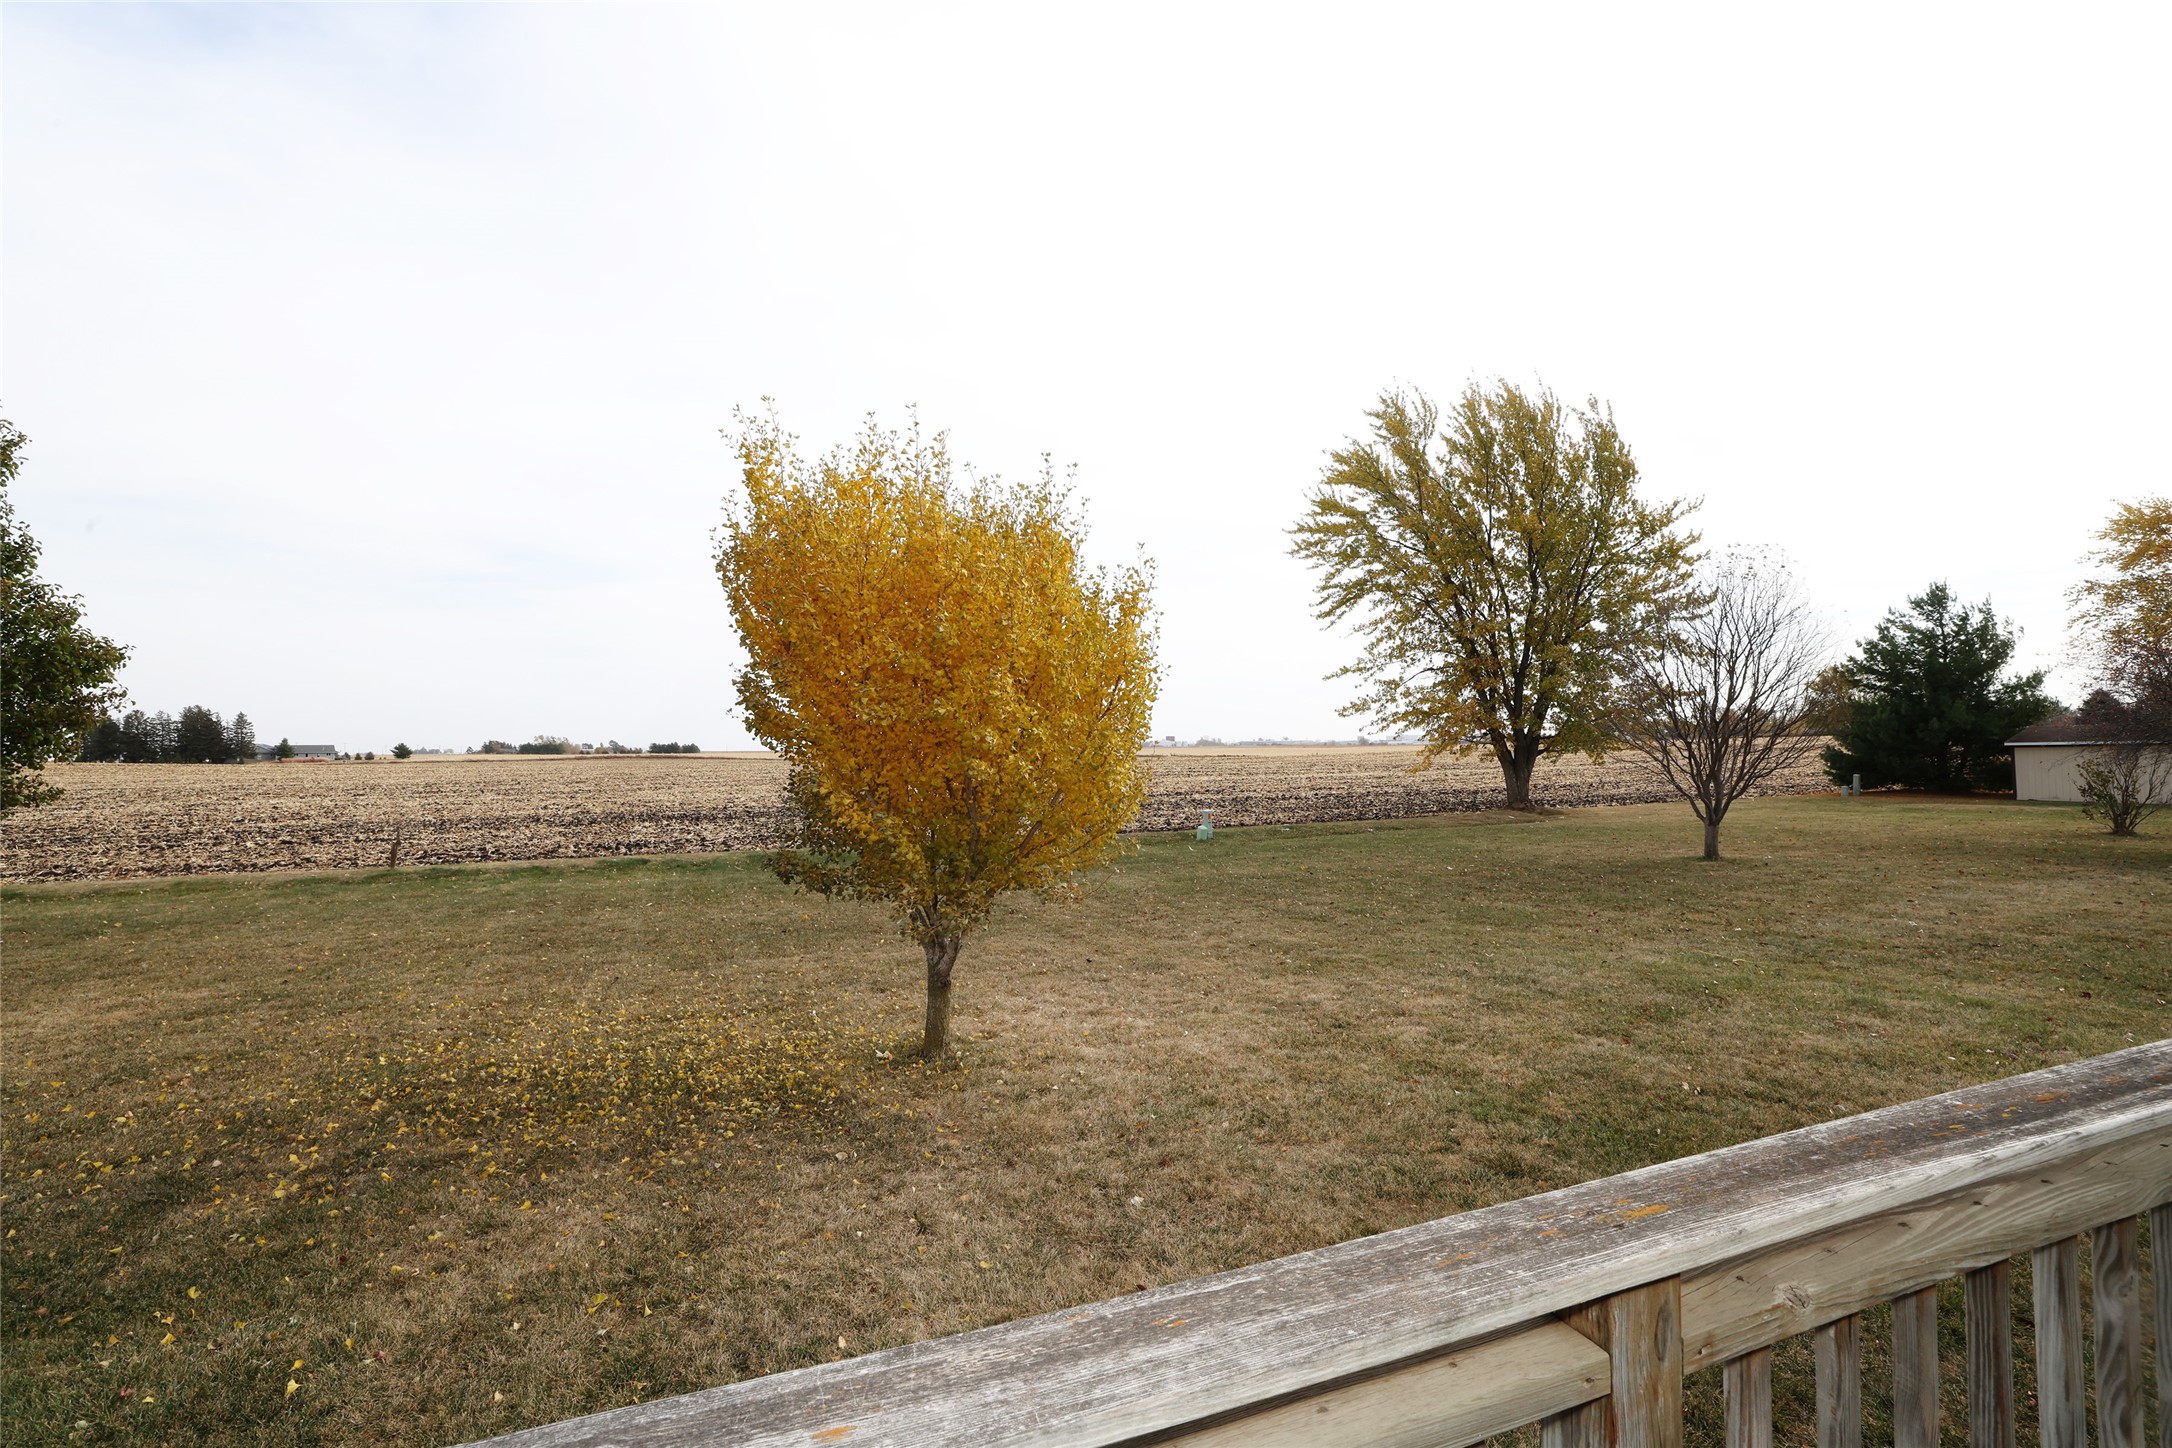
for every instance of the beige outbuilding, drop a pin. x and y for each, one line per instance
(2047, 757)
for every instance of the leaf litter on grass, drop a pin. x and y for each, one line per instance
(483, 1088)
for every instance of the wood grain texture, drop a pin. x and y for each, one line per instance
(1641, 1331)
(1784, 1291)
(1748, 1386)
(1988, 1301)
(1194, 1352)
(1583, 1427)
(2160, 1248)
(1839, 1354)
(1443, 1403)
(2055, 1286)
(1915, 1369)
(2115, 1273)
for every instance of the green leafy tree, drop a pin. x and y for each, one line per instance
(1930, 705)
(1501, 570)
(57, 678)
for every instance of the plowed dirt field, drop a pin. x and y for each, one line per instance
(120, 820)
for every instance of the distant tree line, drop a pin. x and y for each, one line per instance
(541, 744)
(197, 736)
(559, 744)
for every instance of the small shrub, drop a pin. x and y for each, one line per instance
(2124, 784)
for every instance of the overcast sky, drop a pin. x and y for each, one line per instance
(374, 356)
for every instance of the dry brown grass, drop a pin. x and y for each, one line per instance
(481, 1147)
(123, 820)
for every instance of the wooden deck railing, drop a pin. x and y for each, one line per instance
(1580, 1310)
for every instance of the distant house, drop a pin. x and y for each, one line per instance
(2047, 756)
(301, 751)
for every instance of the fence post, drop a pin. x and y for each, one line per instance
(1641, 1330)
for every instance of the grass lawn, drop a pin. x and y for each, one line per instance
(420, 1155)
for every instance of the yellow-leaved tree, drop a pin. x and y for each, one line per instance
(1502, 570)
(2123, 618)
(962, 702)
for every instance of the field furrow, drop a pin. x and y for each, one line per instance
(122, 820)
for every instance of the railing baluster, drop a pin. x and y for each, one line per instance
(1915, 1370)
(1641, 1330)
(1583, 1427)
(2160, 1248)
(1839, 1355)
(2115, 1265)
(1749, 1399)
(1988, 1292)
(2062, 1412)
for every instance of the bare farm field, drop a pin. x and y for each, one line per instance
(123, 820)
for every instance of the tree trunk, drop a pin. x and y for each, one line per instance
(942, 956)
(1517, 763)
(1711, 840)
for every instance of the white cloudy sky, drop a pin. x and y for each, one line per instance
(374, 357)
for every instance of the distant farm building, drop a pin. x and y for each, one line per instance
(2047, 758)
(301, 751)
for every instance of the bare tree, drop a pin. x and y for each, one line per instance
(1720, 706)
(2128, 777)
(2125, 783)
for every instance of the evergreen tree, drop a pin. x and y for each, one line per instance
(1928, 706)
(241, 739)
(137, 746)
(164, 731)
(199, 737)
(103, 744)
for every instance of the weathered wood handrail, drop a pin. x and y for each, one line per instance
(1579, 1309)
